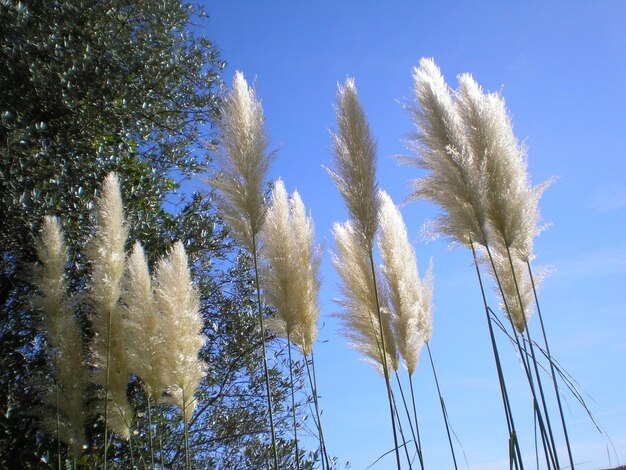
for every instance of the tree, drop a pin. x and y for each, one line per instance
(127, 86)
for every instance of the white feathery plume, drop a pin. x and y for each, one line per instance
(181, 329)
(64, 338)
(511, 201)
(455, 182)
(354, 152)
(243, 160)
(360, 310)
(411, 299)
(291, 273)
(107, 257)
(141, 322)
(519, 314)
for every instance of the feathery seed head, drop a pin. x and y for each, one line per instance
(64, 337)
(181, 337)
(511, 202)
(243, 162)
(108, 348)
(410, 298)
(354, 158)
(291, 275)
(453, 182)
(360, 313)
(510, 305)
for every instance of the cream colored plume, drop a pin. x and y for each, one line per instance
(107, 257)
(243, 162)
(291, 271)
(141, 319)
(354, 172)
(63, 337)
(454, 181)
(360, 315)
(509, 289)
(181, 336)
(411, 298)
(511, 202)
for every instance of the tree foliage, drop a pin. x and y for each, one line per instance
(128, 86)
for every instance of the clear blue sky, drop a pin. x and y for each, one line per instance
(562, 68)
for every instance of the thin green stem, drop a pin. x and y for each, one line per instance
(417, 428)
(554, 381)
(517, 457)
(293, 402)
(262, 324)
(526, 364)
(186, 431)
(313, 383)
(160, 433)
(58, 414)
(535, 366)
(408, 416)
(106, 389)
(148, 399)
(383, 351)
(443, 405)
(404, 445)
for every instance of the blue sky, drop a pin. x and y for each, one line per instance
(561, 67)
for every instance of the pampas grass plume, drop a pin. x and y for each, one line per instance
(354, 159)
(243, 160)
(142, 323)
(107, 257)
(64, 338)
(454, 183)
(181, 329)
(511, 201)
(411, 299)
(291, 274)
(360, 313)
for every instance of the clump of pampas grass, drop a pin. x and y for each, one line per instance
(64, 339)
(243, 161)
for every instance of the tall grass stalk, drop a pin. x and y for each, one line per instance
(551, 363)
(516, 456)
(293, 402)
(264, 349)
(401, 430)
(354, 172)
(418, 450)
(243, 162)
(383, 354)
(417, 428)
(549, 450)
(443, 405)
(313, 384)
(534, 360)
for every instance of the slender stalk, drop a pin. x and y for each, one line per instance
(132, 453)
(262, 323)
(417, 428)
(106, 391)
(160, 433)
(58, 416)
(404, 445)
(443, 405)
(533, 357)
(186, 431)
(408, 416)
(150, 432)
(384, 358)
(554, 381)
(526, 363)
(505, 396)
(313, 382)
(293, 402)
